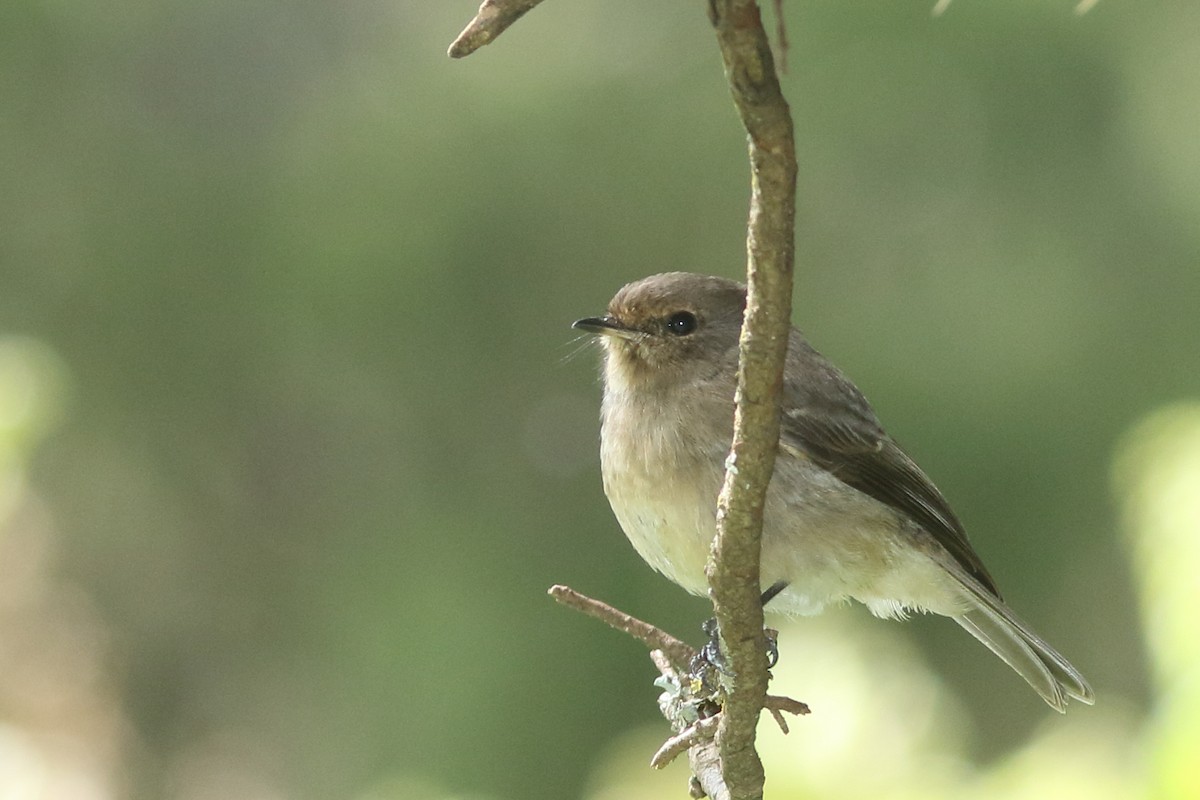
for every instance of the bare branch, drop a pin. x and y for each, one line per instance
(492, 19)
(679, 652)
(703, 731)
(782, 45)
(777, 702)
(777, 705)
(700, 731)
(733, 570)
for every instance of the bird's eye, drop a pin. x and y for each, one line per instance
(681, 323)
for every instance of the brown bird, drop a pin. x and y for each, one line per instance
(848, 514)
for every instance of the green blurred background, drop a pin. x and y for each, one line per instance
(292, 441)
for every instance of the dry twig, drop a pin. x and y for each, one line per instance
(679, 652)
(699, 731)
(492, 19)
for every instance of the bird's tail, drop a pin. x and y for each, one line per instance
(992, 622)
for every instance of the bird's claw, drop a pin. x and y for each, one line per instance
(772, 646)
(710, 655)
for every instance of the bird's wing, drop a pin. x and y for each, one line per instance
(843, 437)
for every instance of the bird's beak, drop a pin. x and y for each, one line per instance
(606, 325)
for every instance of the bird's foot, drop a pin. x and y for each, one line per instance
(710, 654)
(711, 658)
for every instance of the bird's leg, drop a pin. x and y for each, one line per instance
(773, 591)
(710, 654)
(772, 635)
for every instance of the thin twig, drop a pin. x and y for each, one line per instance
(776, 702)
(679, 652)
(492, 19)
(777, 705)
(705, 729)
(782, 44)
(664, 664)
(780, 720)
(700, 731)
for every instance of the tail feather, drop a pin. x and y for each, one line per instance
(994, 624)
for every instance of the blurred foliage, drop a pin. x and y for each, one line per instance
(292, 442)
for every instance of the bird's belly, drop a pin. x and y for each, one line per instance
(831, 560)
(833, 543)
(829, 542)
(670, 523)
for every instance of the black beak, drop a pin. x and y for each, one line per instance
(595, 324)
(604, 325)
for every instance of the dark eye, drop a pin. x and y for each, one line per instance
(681, 323)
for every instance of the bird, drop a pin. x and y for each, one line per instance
(848, 514)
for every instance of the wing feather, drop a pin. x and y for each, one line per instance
(830, 421)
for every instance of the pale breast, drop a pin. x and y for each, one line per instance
(662, 491)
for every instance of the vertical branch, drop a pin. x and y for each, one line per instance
(733, 570)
